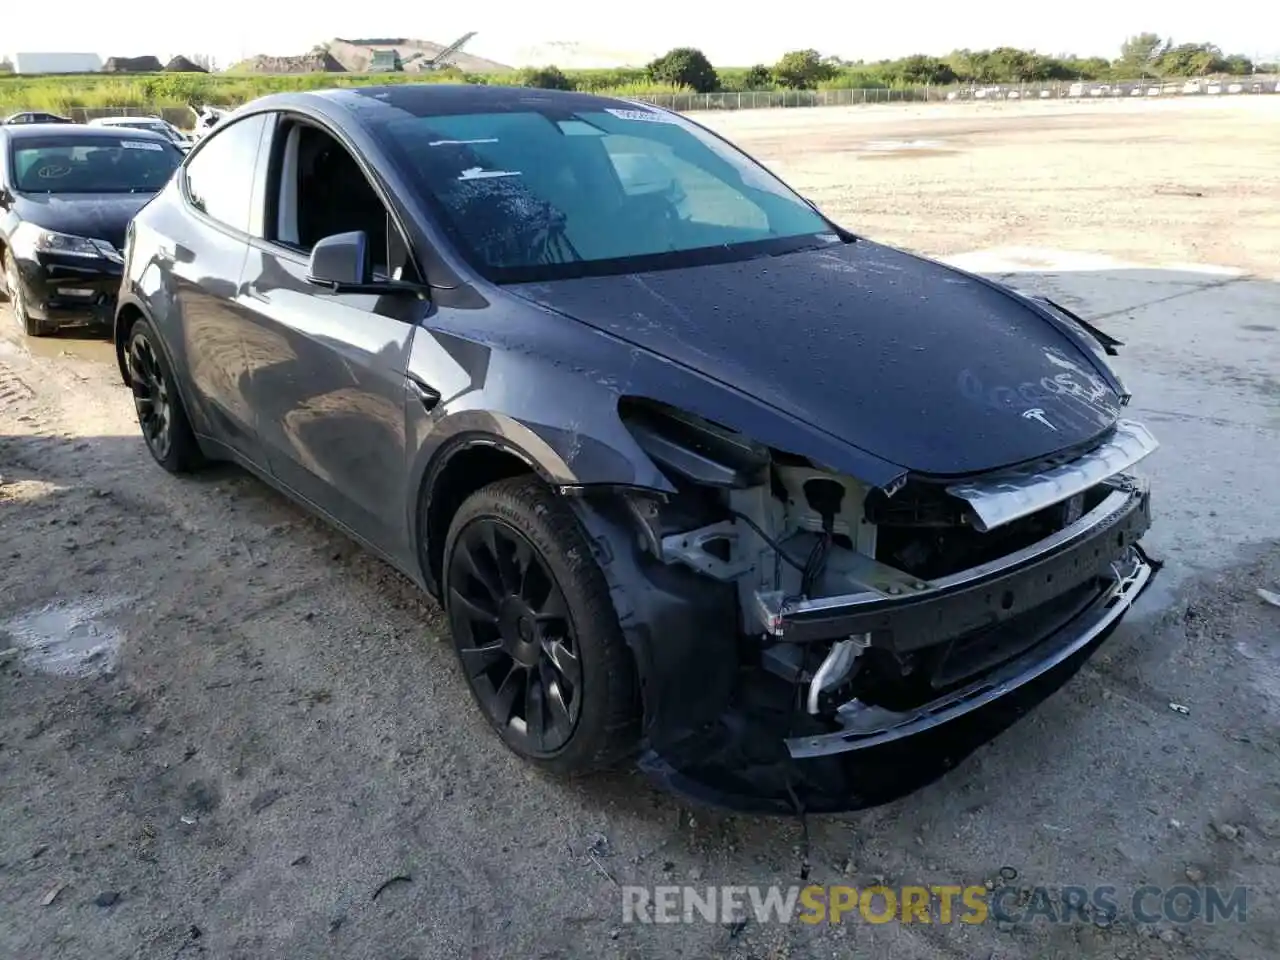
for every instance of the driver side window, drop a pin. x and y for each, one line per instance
(317, 190)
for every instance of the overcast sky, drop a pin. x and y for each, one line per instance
(742, 33)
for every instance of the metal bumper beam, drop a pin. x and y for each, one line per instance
(864, 726)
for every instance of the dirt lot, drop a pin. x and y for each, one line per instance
(1190, 181)
(226, 728)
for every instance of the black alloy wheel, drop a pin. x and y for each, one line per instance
(515, 636)
(150, 397)
(161, 415)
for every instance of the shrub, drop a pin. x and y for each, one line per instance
(685, 67)
(544, 78)
(803, 70)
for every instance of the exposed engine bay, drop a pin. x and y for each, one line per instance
(878, 612)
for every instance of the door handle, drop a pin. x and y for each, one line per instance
(424, 393)
(179, 254)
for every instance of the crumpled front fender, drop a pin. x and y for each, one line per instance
(679, 625)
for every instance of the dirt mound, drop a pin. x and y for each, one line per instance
(132, 65)
(358, 55)
(181, 64)
(307, 63)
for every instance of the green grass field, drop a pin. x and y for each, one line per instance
(62, 94)
(172, 94)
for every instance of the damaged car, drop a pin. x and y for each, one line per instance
(702, 479)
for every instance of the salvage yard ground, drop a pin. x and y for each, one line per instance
(224, 727)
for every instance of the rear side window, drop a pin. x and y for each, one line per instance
(220, 176)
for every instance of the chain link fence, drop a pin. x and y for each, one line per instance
(185, 117)
(755, 100)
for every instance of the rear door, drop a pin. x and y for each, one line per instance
(204, 254)
(328, 370)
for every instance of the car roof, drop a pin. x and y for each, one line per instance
(13, 118)
(112, 121)
(438, 99)
(80, 131)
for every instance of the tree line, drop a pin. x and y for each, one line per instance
(1143, 56)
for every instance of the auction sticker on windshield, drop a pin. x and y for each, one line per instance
(141, 145)
(644, 115)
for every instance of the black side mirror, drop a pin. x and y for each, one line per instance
(341, 261)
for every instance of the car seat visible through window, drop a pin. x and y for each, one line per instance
(334, 196)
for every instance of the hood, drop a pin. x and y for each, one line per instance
(932, 369)
(101, 216)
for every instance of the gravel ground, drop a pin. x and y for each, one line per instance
(247, 727)
(1185, 180)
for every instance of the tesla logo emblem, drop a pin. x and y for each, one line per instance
(1035, 413)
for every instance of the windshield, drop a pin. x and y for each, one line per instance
(98, 164)
(533, 196)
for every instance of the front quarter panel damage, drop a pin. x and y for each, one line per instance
(674, 622)
(724, 689)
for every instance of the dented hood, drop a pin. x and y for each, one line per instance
(933, 369)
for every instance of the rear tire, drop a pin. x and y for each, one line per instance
(161, 415)
(18, 303)
(536, 631)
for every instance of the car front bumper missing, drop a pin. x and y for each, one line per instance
(910, 615)
(863, 725)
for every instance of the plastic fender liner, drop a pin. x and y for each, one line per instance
(680, 626)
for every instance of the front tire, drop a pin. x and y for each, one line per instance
(161, 415)
(18, 301)
(536, 631)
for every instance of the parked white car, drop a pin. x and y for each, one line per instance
(154, 124)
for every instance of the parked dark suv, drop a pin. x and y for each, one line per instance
(699, 476)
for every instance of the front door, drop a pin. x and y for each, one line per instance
(327, 370)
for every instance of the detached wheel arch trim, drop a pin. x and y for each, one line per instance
(467, 432)
(439, 500)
